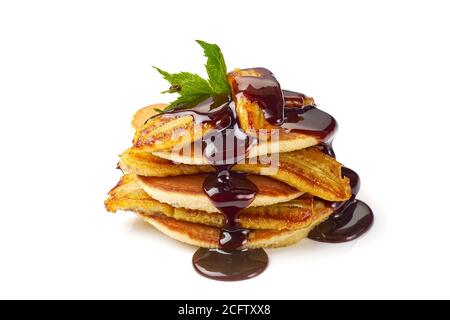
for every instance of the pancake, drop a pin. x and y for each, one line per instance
(287, 142)
(208, 237)
(187, 191)
(308, 170)
(161, 135)
(169, 195)
(293, 215)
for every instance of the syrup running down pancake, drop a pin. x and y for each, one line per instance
(200, 175)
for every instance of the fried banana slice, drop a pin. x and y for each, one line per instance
(308, 170)
(165, 133)
(250, 113)
(143, 114)
(129, 194)
(144, 163)
(292, 215)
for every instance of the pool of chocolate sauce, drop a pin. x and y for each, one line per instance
(231, 192)
(218, 264)
(350, 219)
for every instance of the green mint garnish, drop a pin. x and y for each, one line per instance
(192, 88)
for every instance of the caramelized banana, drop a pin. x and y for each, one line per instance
(308, 170)
(251, 115)
(144, 163)
(260, 107)
(164, 133)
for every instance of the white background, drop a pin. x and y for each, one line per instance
(72, 73)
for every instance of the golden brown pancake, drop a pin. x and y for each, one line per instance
(170, 196)
(187, 191)
(296, 214)
(287, 142)
(208, 237)
(273, 226)
(308, 170)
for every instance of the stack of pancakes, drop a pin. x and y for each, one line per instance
(166, 188)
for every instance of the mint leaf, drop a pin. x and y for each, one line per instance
(185, 81)
(192, 88)
(216, 67)
(187, 101)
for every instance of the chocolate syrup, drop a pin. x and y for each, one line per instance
(357, 218)
(234, 265)
(231, 192)
(310, 121)
(350, 219)
(260, 85)
(214, 111)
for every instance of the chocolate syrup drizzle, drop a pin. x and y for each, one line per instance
(350, 219)
(231, 192)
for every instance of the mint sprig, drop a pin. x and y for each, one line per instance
(215, 67)
(192, 88)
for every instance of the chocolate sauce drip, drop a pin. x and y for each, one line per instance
(350, 219)
(260, 85)
(355, 185)
(310, 121)
(231, 192)
(356, 220)
(236, 265)
(214, 111)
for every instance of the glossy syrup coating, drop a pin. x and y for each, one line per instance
(350, 219)
(231, 192)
